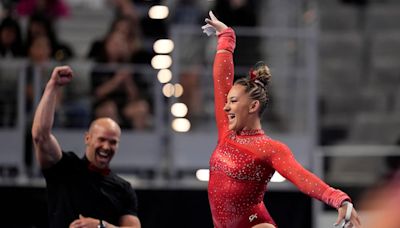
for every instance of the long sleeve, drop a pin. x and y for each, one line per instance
(283, 161)
(223, 74)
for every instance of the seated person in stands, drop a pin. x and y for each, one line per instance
(40, 25)
(115, 87)
(10, 38)
(129, 28)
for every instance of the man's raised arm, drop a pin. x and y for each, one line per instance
(47, 149)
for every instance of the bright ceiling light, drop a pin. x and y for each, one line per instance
(203, 174)
(181, 125)
(158, 12)
(163, 46)
(178, 90)
(161, 61)
(164, 75)
(179, 110)
(168, 90)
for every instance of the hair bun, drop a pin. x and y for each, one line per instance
(262, 73)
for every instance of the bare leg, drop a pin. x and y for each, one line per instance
(264, 225)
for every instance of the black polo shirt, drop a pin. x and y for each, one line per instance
(73, 190)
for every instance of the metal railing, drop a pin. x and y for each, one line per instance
(159, 149)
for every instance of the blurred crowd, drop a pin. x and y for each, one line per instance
(29, 31)
(116, 89)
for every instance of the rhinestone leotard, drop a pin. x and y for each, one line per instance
(243, 163)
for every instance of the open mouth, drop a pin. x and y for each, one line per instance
(231, 117)
(103, 155)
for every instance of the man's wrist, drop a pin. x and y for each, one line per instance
(102, 224)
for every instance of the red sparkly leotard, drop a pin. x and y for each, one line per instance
(243, 162)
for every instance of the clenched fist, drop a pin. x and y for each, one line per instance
(62, 75)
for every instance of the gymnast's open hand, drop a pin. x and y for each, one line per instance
(213, 24)
(351, 219)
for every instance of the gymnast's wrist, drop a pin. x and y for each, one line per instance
(227, 40)
(345, 202)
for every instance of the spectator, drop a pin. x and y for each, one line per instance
(116, 88)
(82, 192)
(39, 57)
(10, 38)
(131, 32)
(39, 25)
(7, 7)
(137, 112)
(116, 94)
(10, 47)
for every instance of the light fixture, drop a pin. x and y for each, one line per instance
(168, 90)
(164, 75)
(179, 110)
(163, 46)
(161, 61)
(203, 174)
(158, 12)
(178, 90)
(181, 125)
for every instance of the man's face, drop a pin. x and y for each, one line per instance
(101, 144)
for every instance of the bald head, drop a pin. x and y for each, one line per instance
(102, 141)
(106, 123)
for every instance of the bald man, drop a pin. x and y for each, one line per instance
(82, 192)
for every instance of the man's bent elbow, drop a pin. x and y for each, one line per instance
(39, 136)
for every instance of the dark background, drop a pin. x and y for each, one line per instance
(26, 207)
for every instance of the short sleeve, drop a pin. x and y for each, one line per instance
(130, 202)
(68, 161)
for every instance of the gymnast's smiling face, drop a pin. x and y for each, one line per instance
(241, 109)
